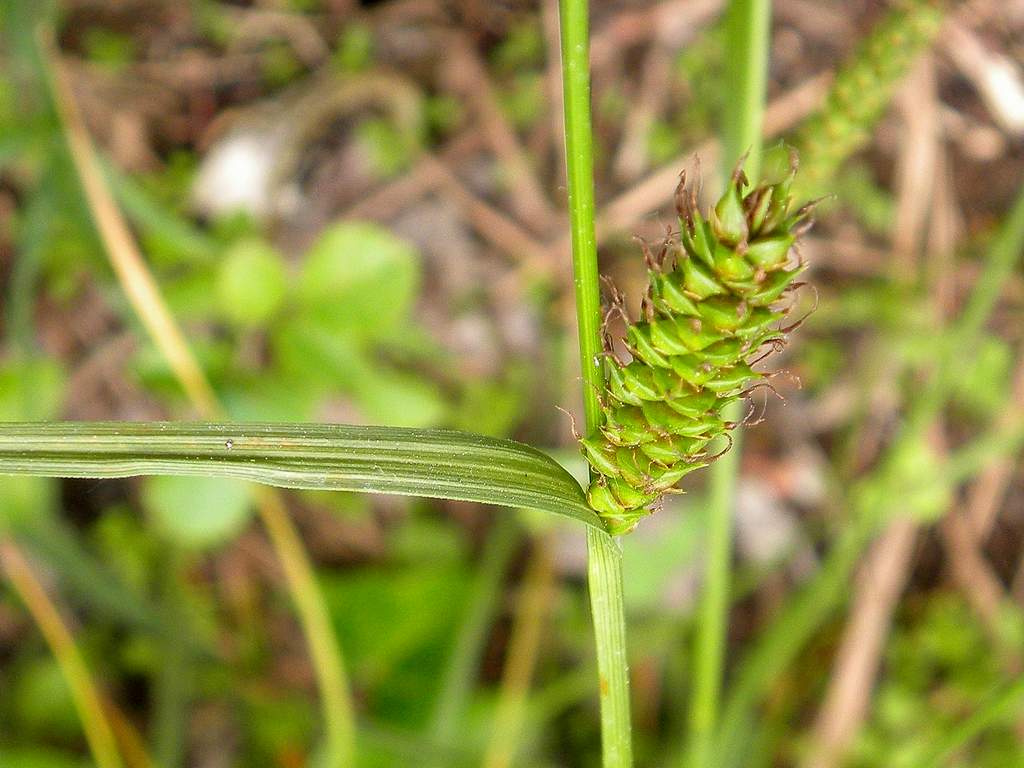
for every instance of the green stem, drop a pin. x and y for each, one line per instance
(747, 36)
(172, 683)
(465, 654)
(86, 696)
(604, 577)
(339, 750)
(90, 581)
(605, 558)
(1003, 705)
(580, 170)
(779, 644)
(747, 28)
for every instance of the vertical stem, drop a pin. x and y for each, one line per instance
(748, 28)
(747, 36)
(464, 657)
(604, 576)
(172, 686)
(604, 569)
(532, 606)
(87, 699)
(579, 158)
(311, 607)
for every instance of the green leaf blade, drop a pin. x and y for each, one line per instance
(434, 463)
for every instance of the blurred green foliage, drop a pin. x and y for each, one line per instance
(354, 49)
(334, 328)
(29, 389)
(939, 665)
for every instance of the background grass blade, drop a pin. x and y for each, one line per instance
(748, 28)
(86, 697)
(434, 462)
(1002, 705)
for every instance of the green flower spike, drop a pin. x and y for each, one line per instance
(711, 312)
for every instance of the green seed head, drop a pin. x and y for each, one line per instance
(712, 310)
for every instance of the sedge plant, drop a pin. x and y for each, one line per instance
(712, 308)
(715, 306)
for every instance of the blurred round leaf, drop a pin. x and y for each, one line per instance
(109, 49)
(29, 390)
(982, 384)
(198, 512)
(354, 51)
(43, 701)
(251, 283)
(398, 400)
(388, 147)
(360, 279)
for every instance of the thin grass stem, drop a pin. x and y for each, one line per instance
(1004, 705)
(747, 35)
(464, 658)
(521, 658)
(604, 568)
(172, 686)
(98, 732)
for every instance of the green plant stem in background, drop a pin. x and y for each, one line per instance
(747, 26)
(457, 684)
(535, 593)
(98, 732)
(1004, 705)
(145, 298)
(336, 699)
(604, 568)
(172, 686)
(90, 581)
(781, 641)
(863, 89)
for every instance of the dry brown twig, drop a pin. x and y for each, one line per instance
(432, 173)
(386, 203)
(467, 75)
(629, 28)
(670, 36)
(876, 593)
(631, 156)
(254, 25)
(498, 229)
